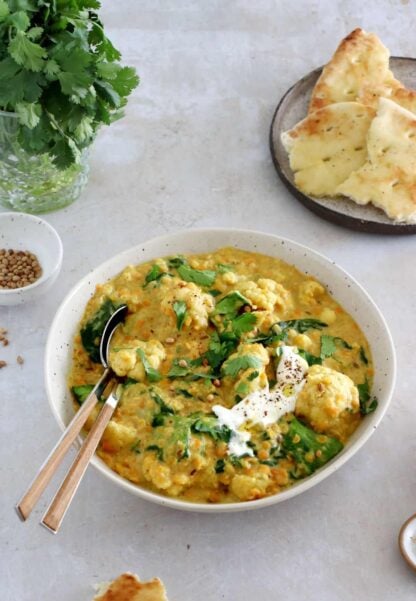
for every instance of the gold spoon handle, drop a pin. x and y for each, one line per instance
(61, 501)
(52, 462)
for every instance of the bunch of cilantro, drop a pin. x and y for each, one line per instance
(60, 74)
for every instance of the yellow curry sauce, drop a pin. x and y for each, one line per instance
(206, 330)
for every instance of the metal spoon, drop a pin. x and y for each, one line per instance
(30, 498)
(407, 541)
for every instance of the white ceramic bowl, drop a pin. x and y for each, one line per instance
(19, 231)
(341, 285)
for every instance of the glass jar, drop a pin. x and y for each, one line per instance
(32, 183)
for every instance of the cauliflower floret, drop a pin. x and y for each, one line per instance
(300, 340)
(229, 277)
(247, 488)
(326, 395)
(244, 385)
(157, 473)
(116, 436)
(265, 294)
(328, 316)
(127, 362)
(310, 292)
(198, 303)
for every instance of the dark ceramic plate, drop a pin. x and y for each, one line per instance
(342, 211)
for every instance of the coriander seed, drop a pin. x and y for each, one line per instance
(18, 268)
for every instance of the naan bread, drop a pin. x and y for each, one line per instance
(388, 178)
(327, 146)
(128, 587)
(359, 70)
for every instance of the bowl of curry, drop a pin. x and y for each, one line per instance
(251, 367)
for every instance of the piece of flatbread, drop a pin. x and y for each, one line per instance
(359, 71)
(328, 145)
(388, 178)
(128, 587)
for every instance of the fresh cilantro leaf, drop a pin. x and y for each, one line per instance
(28, 113)
(125, 81)
(163, 407)
(154, 275)
(242, 389)
(244, 323)
(27, 53)
(218, 350)
(329, 345)
(363, 356)
(82, 392)
(204, 277)
(180, 311)
(152, 374)
(19, 20)
(368, 404)
(230, 304)
(4, 10)
(232, 366)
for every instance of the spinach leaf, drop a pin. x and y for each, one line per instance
(164, 408)
(363, 356)
(368, 404)
(302, 325)
(81, 392)
(232, 366)
(204, 277)
(309, 358)
(213, 292)
(275, 455)
(175, 262)
(220, 466)
(180, 310)
(223, 268)
(253, 376)
(157, 449)
(152, 374)
(308, 449)
(92, 331)
(177, 371)
(184, 393)
(129, 382)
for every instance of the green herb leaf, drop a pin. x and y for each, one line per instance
(180, 310)
(175, 262)
(368, 404)
(309, 358)
(302, 325)
(28, 113)
(363, 356)
(152, 374)
(184, 393)
(220, 466)
(301, 443)
(223, 268)
(219, 350)
(329, 345)
(232, 366)
(214, 292)
(230, 304)
(243, 324)
(253, 376)
(201, 277)
(81, 392)
(27, 53)
(92, 331)
(158, 450)
(208, 424)
(154, 275)
(135, 447)
(129, 382)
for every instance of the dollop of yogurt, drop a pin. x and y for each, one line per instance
(265, 406)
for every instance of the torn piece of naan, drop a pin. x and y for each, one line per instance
(359, 71)
(128, 587)
(328, 145)
(388, 178)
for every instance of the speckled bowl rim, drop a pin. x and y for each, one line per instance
(163, 244)
(6, 292)
(403, 552)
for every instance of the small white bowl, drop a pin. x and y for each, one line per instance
(19, 231)
(340, 284)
